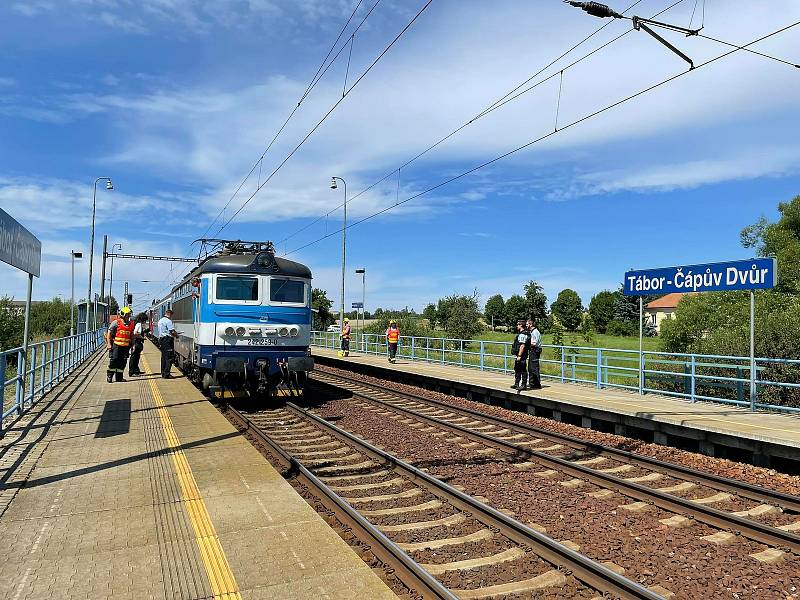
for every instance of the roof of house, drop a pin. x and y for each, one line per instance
(669, 301)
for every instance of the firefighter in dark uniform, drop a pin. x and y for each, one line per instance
(520, 348)
(118, 342)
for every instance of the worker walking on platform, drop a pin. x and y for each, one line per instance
(345, 335)
(118, 342)
(138, 345)
(519, 349)
(392, 339)
(166, 342)
(534, 375)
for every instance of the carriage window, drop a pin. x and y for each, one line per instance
(287, 290)
(237, 288)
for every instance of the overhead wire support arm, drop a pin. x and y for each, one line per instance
(603, 11)
(641, 24)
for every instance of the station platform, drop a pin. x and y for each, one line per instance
(762, 438)
(142, 489)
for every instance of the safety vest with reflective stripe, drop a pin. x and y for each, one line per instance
(346, 332)
(124, 333)
(393, 335)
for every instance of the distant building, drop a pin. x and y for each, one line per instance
(663, 308)
(17, 307)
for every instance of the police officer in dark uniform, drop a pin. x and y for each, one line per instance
(520, 348)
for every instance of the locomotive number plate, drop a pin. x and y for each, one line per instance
(262, 342)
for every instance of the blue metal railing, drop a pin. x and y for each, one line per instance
(705, 377)
(47, 364)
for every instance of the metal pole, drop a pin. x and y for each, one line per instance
(753, 390)
(91, 253)
(363, 305)
(25, 341)
(103, 270)
(344, 253)
(641, 348)
(72, 305)
(111, 284)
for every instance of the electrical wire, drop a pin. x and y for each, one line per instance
(506, 98)
(550, 134)
(327, 114)
(314, 80)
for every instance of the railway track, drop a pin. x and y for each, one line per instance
(602, 466)
(441, 542)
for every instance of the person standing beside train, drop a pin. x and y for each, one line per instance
(520, 349)
(166, 342)
(138, 345)
(118, 342)
(534, 374)
(392, 339)
(345, 335)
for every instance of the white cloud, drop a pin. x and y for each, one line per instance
(753, 164)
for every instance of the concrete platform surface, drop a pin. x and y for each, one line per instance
(142, 489)
(664, 415)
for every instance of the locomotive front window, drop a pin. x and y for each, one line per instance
(243, 289)
(287, 290)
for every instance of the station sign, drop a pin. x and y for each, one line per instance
(18, 246)
(358, 305)
(753, 274)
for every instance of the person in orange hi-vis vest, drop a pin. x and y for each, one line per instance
(118, 342)
(392, 339)
(346, 332)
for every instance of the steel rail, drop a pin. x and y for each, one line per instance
(719, 519)
(583, 568)
(406, 569)
(746, 490)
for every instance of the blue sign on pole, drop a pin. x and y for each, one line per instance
(753, 274)
(18, 246)
(358, 305)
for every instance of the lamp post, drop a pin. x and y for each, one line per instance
(72, 304)
(109, 186)
(111, 283)
(344, 247)
(363, 272)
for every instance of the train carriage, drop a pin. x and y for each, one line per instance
(243, 318)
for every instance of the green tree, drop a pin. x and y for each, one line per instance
(601, 309)
(568, 309)
(494, 312)
(11, 325)
(516, 309)
(321, 305)
(780, 239)
(536, 301)
(430, 314)
(464, 318)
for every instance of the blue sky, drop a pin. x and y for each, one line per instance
(176, 100)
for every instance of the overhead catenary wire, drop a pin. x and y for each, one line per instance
(328, 113)
(550, 134)
(506, 98)
(314, 80)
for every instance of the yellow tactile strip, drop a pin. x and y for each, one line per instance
(223, 583)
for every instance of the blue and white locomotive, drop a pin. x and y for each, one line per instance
(243, 318)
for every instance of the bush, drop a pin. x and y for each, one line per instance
(408, 324)
(621, 328)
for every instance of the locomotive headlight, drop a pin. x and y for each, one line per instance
(264, 259)
(229, 331)
(283, 331)
(240, 331)
(294, 331)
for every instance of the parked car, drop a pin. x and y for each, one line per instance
(333, 329)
